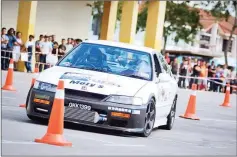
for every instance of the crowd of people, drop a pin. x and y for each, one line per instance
(13, 47)
(207, 76)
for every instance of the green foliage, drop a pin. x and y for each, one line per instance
(97, 9)
(182, 20)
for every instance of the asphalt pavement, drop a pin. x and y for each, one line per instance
(214, 134)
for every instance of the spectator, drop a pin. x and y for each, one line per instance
(63, 46)
(77, 42)
(183, 73)
(202, 83)
(218, 75)
(38, 44)
(4, 42)
(46, 48)
(167, 58)
(69, 45)
(10, 44)
(29, 45)
(211, 74)
(53, 38)
(17, 49)
(55, 49)
(196, 73)
(174, 66)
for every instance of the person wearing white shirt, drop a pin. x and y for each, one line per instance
(69, 45)
(29, 45)
(46, 49)
(16, 53)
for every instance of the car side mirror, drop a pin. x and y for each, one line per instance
(163, 77)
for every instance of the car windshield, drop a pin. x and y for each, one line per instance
(109, 59)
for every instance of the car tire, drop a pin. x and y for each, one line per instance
(171, 117)
(149, 119)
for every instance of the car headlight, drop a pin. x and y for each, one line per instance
(125, 100)
(45, 86)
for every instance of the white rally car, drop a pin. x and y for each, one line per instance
(111, 85)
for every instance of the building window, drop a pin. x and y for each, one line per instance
(205, 39)
(225, 43)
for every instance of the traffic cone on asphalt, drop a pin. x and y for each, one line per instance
(32, 83)
(226, 102)
(191, 108)
(54, 135)
(9, 80)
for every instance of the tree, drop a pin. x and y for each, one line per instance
(221, 10)
(97, 13)
(179, 19)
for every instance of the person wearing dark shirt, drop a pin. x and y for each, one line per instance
(211, 74)
(174, 66)
(183, 73)
(196, 73)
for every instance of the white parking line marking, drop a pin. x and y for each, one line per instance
(18, 142)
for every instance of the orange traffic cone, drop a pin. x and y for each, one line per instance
(226, 102)
(9, 79)
(32, 83)
(191, 108)
(54, 135)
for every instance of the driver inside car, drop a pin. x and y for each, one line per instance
(96, 59)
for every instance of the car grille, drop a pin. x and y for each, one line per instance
(78, 114)
(84, 95)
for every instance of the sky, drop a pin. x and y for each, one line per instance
(199, 5)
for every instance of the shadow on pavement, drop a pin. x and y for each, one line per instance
(22, 117)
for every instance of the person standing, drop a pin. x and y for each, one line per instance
(174, 66)
(46, 48)
(12, 39)
(38, 44)
(17, 49)
(183, 73)
(4, 42)
(69, 45)
(29, 45)
(203, 74)
(167, 58)
(196, 73)
(211, 74)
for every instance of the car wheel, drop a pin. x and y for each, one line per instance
(149, 118)
(171, 116)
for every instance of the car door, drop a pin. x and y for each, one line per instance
(161, 88)
(168, 90)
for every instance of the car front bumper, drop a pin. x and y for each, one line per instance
(135, 123)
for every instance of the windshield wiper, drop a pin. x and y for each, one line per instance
(136, 76)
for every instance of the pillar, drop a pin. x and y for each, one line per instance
(128, 21)
(213, 40)
(26, 24)
(155, 24)
(109, 20)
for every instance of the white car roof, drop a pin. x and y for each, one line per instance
(122, 45)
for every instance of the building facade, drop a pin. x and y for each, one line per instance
(211, 40)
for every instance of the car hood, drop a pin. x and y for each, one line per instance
(92, 81)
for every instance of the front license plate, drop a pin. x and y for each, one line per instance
(80, 106)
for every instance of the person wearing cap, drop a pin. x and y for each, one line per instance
(46, 48)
